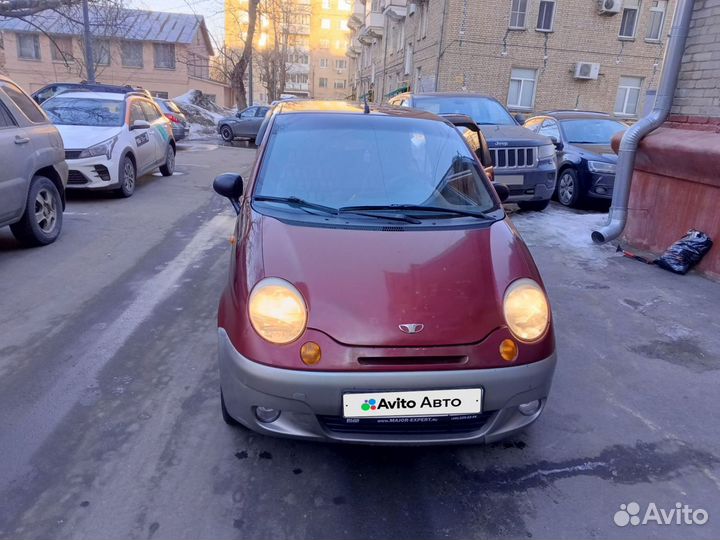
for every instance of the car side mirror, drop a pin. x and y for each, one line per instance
(519, 118)
(140, 124)
(558, 144)
(230, 185)
(502, 191)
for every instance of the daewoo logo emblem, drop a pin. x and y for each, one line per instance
(413, 328)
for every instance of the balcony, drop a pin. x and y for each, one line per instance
(296, 86)
(358, 15)
(395, 9)
(354, 48)
(373, 29)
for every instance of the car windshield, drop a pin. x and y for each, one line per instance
(482, 110)
(591, 130)
(342, 160)
(85, 111)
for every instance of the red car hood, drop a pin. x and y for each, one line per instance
(360, 285)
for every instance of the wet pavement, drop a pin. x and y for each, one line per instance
(109, 412)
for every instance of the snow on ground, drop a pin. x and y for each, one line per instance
(202, 113)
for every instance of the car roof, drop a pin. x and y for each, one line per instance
(450, 95)
(348, 107)
(108, 96)
(565, 114)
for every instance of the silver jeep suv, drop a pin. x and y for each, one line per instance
(33, 174)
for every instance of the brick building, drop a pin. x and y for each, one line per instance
(531, 55)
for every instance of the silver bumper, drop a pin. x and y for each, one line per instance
(306, 397)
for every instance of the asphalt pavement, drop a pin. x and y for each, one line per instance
(110, 421)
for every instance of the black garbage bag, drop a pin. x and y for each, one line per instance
(685, 253)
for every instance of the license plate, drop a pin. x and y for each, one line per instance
(415, 403)
(510, 179)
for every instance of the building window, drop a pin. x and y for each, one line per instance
(61, 49)
(323, 82)
(164, 55)
(324, 43)
(101, 52)
(546, 14)
(28, 46)
(518, 14)
(628, 25)
(323, 62)
(657, 19)
(198, 66)
(408, 58)
(340, 64)
(522, 88)
(341, 44)
(325, 24)
(301, 78)
(423, 20)
(344, 5)
(161, 95)
(628, 95)
(343, 25)
(326, 4)
(131, 54)
(339, 84)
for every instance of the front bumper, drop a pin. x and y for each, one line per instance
(311, 401)
(538, 184)
(92, 173)
(601, 185)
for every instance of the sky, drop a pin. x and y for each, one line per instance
(212, 10)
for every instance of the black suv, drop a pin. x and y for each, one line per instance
(50, 90)
(586, 163)
(523, 160)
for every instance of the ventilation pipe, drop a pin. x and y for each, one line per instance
(632, 137)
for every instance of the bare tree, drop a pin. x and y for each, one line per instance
(24, 8)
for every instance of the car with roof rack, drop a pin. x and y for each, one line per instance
(378, 292)
(50, 90)
(112, 139)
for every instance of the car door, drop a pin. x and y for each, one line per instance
(144, 143)
(550, 129)
(13, 184)
(159, 129)
(243, 127)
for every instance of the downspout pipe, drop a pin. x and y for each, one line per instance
(617, 217)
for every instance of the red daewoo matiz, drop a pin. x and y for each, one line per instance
(377, 291)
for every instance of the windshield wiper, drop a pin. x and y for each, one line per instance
(297, 202)
(420, 207)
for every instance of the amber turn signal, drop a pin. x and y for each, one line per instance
(310, 353)
(508, 350)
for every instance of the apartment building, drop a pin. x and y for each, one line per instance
(166, 53)
(328, 42)
(532, 55)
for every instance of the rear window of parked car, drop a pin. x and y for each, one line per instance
(28, 107)
(85, 111)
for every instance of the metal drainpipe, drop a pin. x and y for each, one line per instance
(617, 217)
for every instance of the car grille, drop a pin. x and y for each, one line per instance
(72, 154)
(77, 178)
(404, 426)
(513, 158)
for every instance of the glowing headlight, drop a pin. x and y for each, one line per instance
(601, 167)
(277, 311)
(526, 310)
(546, 151)
(104, 148)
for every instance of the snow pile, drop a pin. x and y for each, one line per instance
(202, 113)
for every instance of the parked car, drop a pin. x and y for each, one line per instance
(50, 90)
(33, 172)
(243, 125)
(586, 163)
(523, 161)
(378, 293)
(112, 139)
(475, 139)
(180, 125)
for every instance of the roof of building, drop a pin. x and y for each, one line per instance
(131, 24)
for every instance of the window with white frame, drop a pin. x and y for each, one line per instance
(164, 55)
(323, 62)
(628, 95)
(344, 5)
(522, 88)
(546, 16)
(657, 19)
(518, 14)
(325, 24)
(323, 82)
(340, 64)
(343, 25)
(28, 46)
(324, 43)
(424, 19)
(131, 54)
(628, 24)
(339, 84)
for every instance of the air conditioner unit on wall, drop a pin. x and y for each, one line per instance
(587, 70)
(609, 7)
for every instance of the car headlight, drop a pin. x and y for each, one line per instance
(277, 311)
(104, 148)
(526, 310)
(601, 167)
(546, 151)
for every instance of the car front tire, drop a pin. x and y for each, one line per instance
(169, 168)
(42, 220)
(534, 206)
(568, 189)
(226, 133)
(128, 177)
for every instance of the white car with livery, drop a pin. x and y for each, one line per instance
(112, 139)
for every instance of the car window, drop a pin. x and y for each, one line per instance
(29, 108)
(151, 111)
(591, 130)
(172, 106)
(484, 111)
(262, 111)
(248, 113)
(76, 111)
(136, 113)
(471, 137)
(533, 124)
(46, 93)
(550, 129)
(6, 119)
(355, 160)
